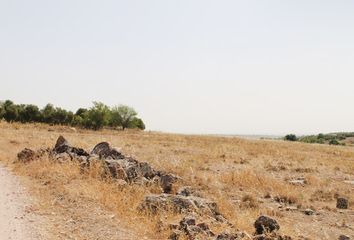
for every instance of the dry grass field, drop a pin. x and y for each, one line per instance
(246, 178)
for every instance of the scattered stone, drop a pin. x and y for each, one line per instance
(342, 203)
(266, 224)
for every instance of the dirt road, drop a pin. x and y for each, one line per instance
(17, 220)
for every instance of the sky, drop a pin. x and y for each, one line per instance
(187, 66)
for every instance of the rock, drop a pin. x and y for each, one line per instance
(342, 203)
(176, 235)
(166, 182)
(63, 146)
(188, 191)
(187, 221)
(104, 150)
(115, 170)
(291, 208)
(226, 235)
(26, 155)
(309, 211)
(187, 227)
(179, 204)
(146, 170)
(266, 224)
(343, 237)
(61, 141)
(349, 181)
(298, 182)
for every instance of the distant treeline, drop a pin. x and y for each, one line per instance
(330, 138)
(96, 117)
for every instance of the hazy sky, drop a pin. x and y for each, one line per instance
(190, 66)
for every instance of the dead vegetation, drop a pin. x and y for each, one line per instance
(245, 178)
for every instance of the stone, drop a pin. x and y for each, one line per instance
(63, 146)
(343, 237)
(179, 204)
(266, 224)
(226, 235)
(146, 170)
(342, 203)
(115, 170)
(309, 211)
(188, 191)
(166, 182)
(26, 155)
(187, 221)
(104, 150)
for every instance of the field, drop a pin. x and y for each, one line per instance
(295, 183)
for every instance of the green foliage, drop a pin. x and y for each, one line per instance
(97, 117)
(137, 123)
(10, 111)
(331, 138)
(127, 114)
(48, 114)
(290, 137)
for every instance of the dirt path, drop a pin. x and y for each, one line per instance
(17, 221)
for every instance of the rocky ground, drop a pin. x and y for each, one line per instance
(188, 187)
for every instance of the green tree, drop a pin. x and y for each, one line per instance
(137, 123)
(47, 113)
(115, 119)
(290, 137)
(127, 114)
(10, 111)
(29, 113)
(97, 117)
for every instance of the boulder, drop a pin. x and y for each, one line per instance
(63, 146)
(342, 203)
(266, 224)
(166, 182)
(180, 204)
(115, 170)
(104, 150)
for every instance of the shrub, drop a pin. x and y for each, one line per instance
(290, 137)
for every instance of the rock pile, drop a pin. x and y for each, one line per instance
(186, 201)
(114, 163)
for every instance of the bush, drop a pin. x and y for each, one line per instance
(290, 137)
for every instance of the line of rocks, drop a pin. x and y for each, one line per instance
(187, 201)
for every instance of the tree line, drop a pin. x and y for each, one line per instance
(96, 117)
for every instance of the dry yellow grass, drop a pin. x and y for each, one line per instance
(240, 175)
